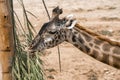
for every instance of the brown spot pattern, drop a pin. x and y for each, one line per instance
(116, 50)
(87, 36)
(91, 44)
(94, 54)
(105, 58)
(116, 61)
(97, 47)
(87, 49)
(98, 42)
(106, 47)
(81, 39)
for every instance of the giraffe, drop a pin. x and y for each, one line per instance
(58, 30)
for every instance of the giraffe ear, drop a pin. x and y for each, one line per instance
(72, 24)
(71, 21)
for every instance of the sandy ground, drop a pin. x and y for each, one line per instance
(101, 16)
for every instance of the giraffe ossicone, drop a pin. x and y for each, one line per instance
(59, 30)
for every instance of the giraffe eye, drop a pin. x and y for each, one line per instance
(52, 32)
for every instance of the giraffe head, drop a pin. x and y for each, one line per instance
(53, 32)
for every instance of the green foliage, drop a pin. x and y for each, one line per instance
(25, 67)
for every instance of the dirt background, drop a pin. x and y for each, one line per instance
(101, 16)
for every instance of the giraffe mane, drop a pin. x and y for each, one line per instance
(101, 37)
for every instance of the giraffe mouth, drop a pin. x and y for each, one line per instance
(30, 50)
(40, 46)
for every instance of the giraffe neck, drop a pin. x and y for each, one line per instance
(99, 49)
